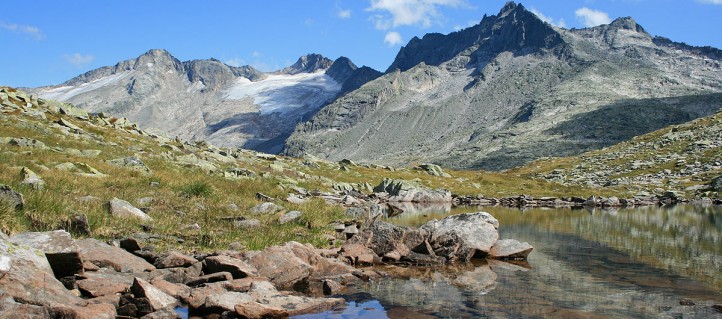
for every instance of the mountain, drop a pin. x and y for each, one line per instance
(512, 89)
(208, 99)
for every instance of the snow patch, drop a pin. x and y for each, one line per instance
(65, 93)
(284, 93)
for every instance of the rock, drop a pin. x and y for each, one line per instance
(265, 208)
(129, 244)
(331, 287)
(291, 216)
(214, 277)
(247, 223)
(104, 255)
(406, 191)
(69, 109)
(236, 267)
(78, 224)
(178, 291)
(104, 282)
(295, 199)
(257, 310)
(69, 125)
(611, 202)
(239, 173)
(591, 201)
(26, 142)
(62, 253)
(9, 309)
(31, 179)
(162, 314)
(280, 265)
(380, 237)
(131, 162)
(173, 259)
(510, 249)
(26, 275)
(94, 311)
(157, 298)
(226, 301)
(122, 209)
(357, 254)
(433, 169)
(716, 184)
(11, 197)
(463, 234)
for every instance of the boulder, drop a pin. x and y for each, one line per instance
(406, 191)
(104, 282)
(104, 255)
(280, 265)
(178, 291)
(122, 209)
(78, 223)
(611, 202)
(266, 294)
(9, 309)
(31, 179)
(62, 253)
(26, 275)
(157, 298)
(247, 223)
(510, 249)
(254, 309)
(27, 142)
(461, 236)
(381, 237)
(236, 267)
(11, 197)
(290, 217)
(173, 259)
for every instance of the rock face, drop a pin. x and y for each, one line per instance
(208, 99)
(512, 89)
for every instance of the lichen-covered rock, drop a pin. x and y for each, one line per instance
(461, 236)
(406, 191)
(122, 209)
(62, 253)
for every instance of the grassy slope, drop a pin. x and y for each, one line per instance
(188, 195)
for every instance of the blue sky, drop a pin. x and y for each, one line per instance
(48, 42)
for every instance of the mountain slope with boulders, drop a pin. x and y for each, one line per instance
(210, 100)
(513, 89)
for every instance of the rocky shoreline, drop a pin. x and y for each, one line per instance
(52, 275)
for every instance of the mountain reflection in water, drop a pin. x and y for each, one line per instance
(627, 263)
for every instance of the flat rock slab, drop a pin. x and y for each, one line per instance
(60, 250)
(510, 249)
(104, 255)
(105, 282)
(238, 268)
(174, 259)
(30, 278)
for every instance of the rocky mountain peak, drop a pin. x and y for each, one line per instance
(308, 64)
(212, 73)
(514, 29)
(341, 69)
(627, 23)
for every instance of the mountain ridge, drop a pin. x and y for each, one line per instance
(195, 99)
(501, 92)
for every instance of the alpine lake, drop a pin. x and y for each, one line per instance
(647, 262)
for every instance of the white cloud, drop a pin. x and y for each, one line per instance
(710, 1)
(344, 14)
(592, 18)
(235, 62)
(256, 54)
(25, 29)
(392, 38)
(561, 23)
(78, 60)
(409, 12)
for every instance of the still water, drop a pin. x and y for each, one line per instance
(645, 262)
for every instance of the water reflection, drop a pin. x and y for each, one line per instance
(628, 263)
